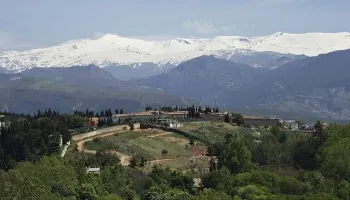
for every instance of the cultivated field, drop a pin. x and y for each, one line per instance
(155, 145)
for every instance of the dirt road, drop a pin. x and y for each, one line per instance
(124, 159)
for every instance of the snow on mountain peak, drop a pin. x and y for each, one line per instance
(114, 49)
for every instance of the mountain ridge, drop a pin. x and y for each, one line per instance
(116, 50)
(317, 86)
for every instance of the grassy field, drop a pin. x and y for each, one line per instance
(149, 144)
(196, 165)
(212, 131)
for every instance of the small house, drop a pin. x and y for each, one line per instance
(91, 121)
(95, 170)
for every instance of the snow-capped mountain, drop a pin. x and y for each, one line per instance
(121, 51)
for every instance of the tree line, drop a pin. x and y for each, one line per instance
(31, 137)
(274, 168)
(103, 113)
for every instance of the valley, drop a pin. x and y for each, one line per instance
(175, 100)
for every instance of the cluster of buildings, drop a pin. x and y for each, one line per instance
(170, 118)
(173, 119)
(151, 114)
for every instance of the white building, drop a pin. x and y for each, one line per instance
(290, 124)
(4, 124)
(95, 170)
(175, 125)
(170, 123)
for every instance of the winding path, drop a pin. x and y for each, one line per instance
(124, 159)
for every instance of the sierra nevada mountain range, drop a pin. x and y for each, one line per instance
(128, 58)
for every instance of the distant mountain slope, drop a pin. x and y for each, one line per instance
(76, 75)
(3, 70)
(116, 50)
(21, 93)
(316, 86)
(266, 59)
(320, 85)
(269, 60)
(205, 77)
(137, 71)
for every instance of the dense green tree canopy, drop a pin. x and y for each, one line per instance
(267, 163)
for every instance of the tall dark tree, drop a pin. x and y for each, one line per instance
(238, 119)
(38, 114)
(232, 154)
(319, 133)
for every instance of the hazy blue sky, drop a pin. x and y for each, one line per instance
(35, 23)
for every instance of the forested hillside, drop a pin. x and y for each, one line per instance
(268, 163)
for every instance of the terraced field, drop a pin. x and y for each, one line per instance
(150, 144)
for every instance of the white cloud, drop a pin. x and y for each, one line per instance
(9, 42)
(203, 27)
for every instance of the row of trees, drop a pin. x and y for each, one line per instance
(166, 108)
(102, 113)
(195, 112)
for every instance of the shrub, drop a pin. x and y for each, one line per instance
(164, 151)
(96, 140)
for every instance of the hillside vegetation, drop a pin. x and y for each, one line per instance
(246, 165)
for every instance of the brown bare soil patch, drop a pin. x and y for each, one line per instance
(198, 151)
